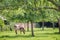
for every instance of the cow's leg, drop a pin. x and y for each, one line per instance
(23, 31)
(15, 27)
(16, 31)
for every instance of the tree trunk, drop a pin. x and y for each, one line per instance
(27, 26)
(32, 28)
(59, 24)
(53, 25)
(43, 25)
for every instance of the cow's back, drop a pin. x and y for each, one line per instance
(18, 25)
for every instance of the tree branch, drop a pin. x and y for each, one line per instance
(57, 5)
(53, 3)
(46, 7)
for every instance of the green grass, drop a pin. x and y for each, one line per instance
(47, 34)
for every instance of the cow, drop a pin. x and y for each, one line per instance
(19, 26)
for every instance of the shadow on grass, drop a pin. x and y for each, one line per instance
(29, 36)
(7, 36)
(55, 33)
(24, 36)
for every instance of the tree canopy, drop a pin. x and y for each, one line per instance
(26, 10)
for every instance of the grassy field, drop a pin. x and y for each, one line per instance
(47, 34)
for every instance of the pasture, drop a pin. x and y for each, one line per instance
(47, 34)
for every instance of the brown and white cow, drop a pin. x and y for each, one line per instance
(19, 26)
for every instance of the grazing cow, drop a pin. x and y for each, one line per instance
(19, 26)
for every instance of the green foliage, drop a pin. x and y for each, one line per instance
(14, 10)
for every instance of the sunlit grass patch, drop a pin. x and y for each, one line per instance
(47, 34)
